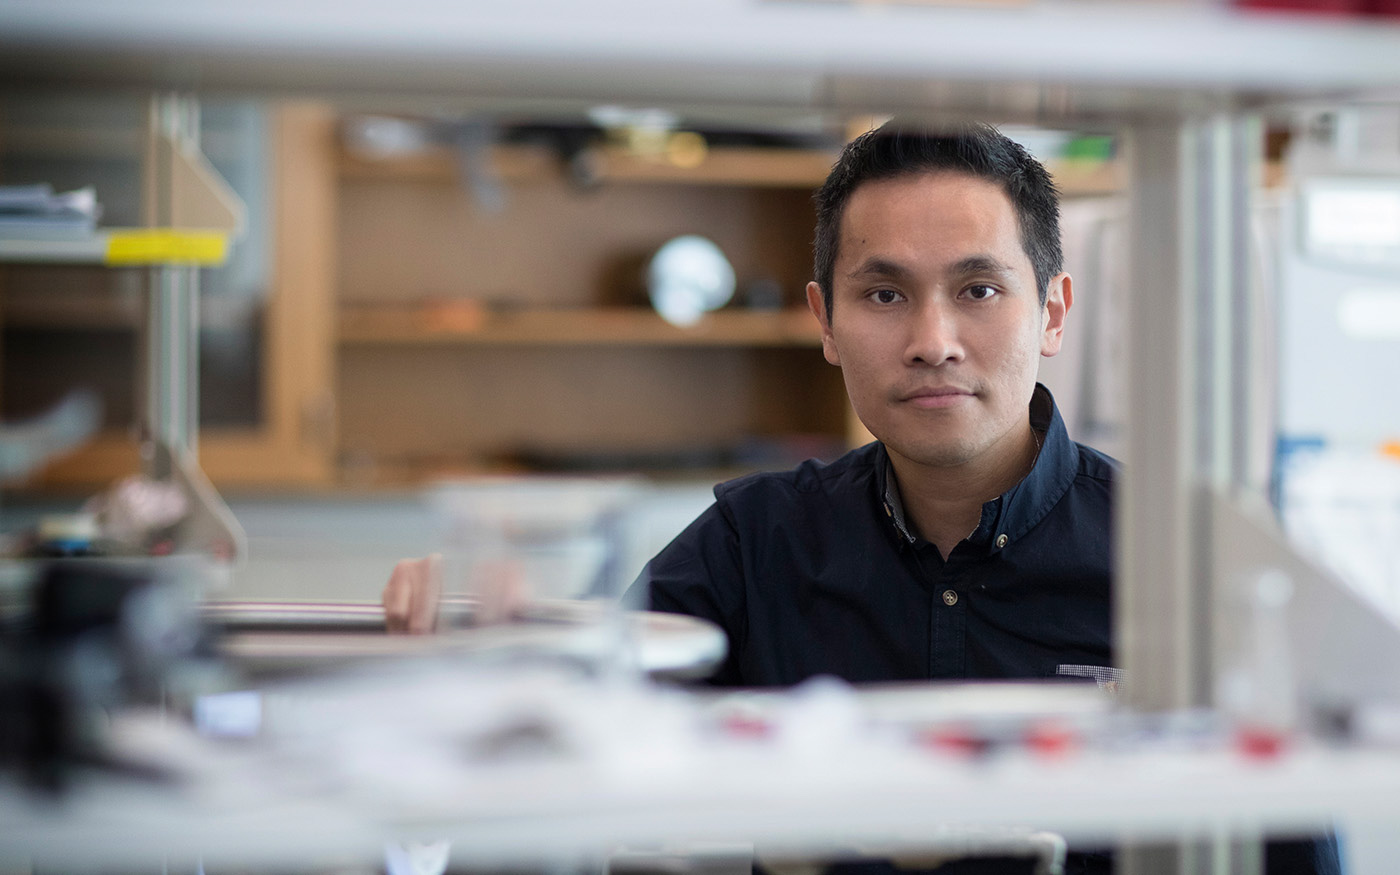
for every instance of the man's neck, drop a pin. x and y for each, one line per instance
(944, 504)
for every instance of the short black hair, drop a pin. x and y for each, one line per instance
(898, 148)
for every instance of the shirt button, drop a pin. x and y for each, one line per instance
(950, 598)
(1001, 541)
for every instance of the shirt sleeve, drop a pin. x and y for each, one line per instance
(701, 574)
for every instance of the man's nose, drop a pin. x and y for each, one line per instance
(933, 336)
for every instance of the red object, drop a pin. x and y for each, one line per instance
(1312, 7)
(1260, 744)
(955, 741)
(742, 726)
(1051, 741)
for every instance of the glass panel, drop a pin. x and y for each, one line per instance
(66, 327)
(1337, 245)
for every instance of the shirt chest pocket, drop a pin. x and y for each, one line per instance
(1108, 678)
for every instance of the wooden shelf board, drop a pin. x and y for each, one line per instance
(770, 167)
(752, 167)
(723, 165)
(437, 164)
(428, 325)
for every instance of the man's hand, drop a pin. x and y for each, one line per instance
(412, 594)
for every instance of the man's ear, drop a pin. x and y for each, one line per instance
(817, 304)
(1058, 300)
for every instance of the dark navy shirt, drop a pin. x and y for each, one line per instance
(813, 571)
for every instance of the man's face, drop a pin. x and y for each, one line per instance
(936, 322)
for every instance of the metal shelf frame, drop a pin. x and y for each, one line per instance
(191, 214)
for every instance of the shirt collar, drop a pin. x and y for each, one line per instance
(1010, 515)
(889, 492)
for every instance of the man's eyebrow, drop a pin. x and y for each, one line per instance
(879, 267)
(979, 264)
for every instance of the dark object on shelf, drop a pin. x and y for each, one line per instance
(99, 635)
(763, 294)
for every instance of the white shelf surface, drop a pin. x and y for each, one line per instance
(1045, 59)
(76, 250)
(119, 247)
(252, 808)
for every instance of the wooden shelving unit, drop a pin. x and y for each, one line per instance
(758, 167)
(467, 335)
(388, 325)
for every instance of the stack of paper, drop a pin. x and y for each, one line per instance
(35, 212)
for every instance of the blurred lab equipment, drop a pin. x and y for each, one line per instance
(554, 537)
(264, 639)
(558, 549)
(512, 541)
(98, 636)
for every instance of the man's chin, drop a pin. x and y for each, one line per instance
(950, 454)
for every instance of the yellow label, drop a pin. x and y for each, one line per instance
(165, 246)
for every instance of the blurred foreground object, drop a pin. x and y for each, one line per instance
(99, 636)
(183, 514)
(1342, 509)
(1325, 8)
(135, 509)
(290, 638)
(510, 540)
(25, 446)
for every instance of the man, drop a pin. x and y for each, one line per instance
(972, 539)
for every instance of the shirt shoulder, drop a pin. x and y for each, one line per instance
(1096, 465)
(813, 478)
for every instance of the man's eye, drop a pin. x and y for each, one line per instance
(981, 293)
(887, 296)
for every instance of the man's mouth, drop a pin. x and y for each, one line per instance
(938, 397)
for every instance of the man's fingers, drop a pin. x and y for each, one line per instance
(427, 592)
(398, 595)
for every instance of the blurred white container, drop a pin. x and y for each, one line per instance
(1342, 508)
(513, 540)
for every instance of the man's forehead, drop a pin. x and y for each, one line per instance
(969, 220)
(949, 191)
